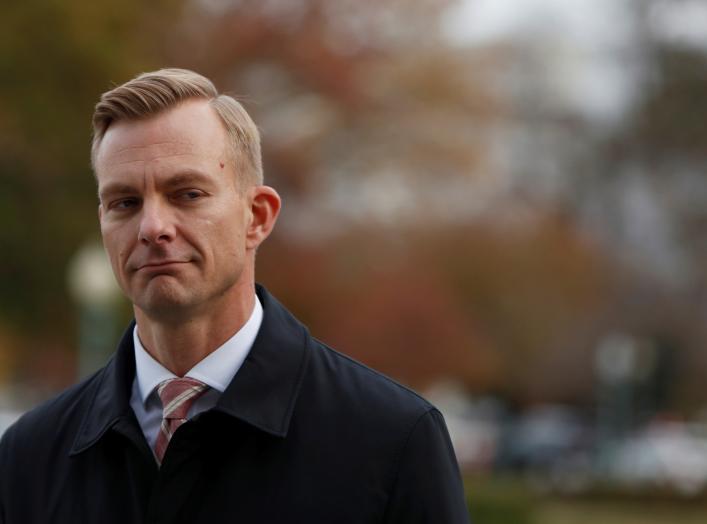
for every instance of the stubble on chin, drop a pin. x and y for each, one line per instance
(163, 298)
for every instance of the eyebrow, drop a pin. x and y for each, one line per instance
(116, 188)
(186, 177)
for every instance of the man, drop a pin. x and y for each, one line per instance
(218, 405)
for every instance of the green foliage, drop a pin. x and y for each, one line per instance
(495, 500)
(56, 57)
(500, 510)
(510, 500)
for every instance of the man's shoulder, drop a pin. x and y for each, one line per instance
(350, 382)
(50, 420)
(330, 383)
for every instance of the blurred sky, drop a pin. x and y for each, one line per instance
(589, 44)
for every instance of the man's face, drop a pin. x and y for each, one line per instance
(173, 219)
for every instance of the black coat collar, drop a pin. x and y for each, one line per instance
(263, 392)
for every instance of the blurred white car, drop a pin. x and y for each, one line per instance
(664, 455)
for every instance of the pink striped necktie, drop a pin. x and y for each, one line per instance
(177, 395)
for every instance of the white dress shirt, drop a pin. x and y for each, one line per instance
(216, 371)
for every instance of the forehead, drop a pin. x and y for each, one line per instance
(191, 132)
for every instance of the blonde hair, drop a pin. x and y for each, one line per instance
(151, 93)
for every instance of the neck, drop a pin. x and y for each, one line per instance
(180, 345)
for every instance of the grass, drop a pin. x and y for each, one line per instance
(510, 501)
(586, 512)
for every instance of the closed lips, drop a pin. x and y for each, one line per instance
(162, 263)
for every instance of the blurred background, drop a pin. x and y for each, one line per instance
(499, 203)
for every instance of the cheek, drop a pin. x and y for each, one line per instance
(229, 252)
(117, 249)
(114, 255)
(109, 245)
(227, 248)
(230, 235)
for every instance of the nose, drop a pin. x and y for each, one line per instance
(156, 224)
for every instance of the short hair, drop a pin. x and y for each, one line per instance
(148, 94)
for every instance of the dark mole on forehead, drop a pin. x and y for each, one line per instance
(221, 164)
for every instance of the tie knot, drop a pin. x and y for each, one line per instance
(178, 394)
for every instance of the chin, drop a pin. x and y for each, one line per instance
(165, 303)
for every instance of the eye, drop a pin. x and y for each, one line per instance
(124, 203)
(190, 195)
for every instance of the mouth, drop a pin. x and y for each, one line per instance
(160, 265)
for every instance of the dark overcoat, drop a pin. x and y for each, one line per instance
(302, 434)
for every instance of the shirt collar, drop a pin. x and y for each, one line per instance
(263, 393)
(216, 370)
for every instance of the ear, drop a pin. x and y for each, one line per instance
(264, 208)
